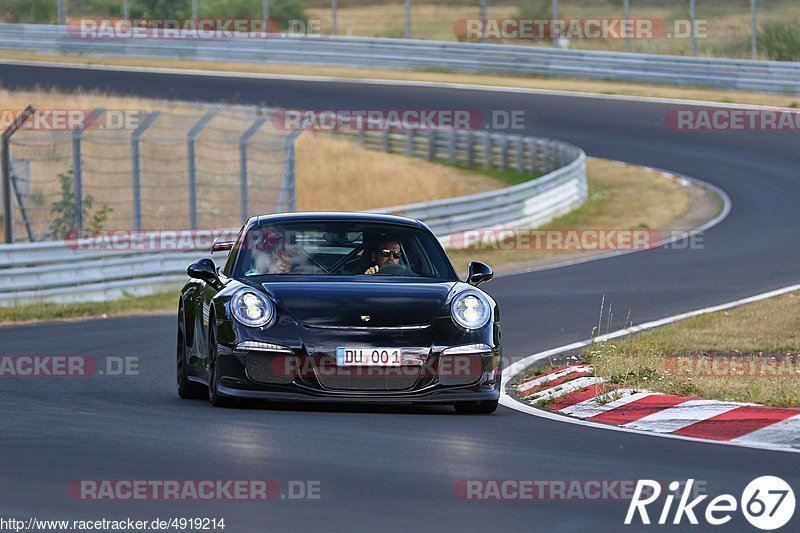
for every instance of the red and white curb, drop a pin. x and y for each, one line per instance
(572, 394)
(573, 390)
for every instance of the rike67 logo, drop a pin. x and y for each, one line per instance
(767, 503)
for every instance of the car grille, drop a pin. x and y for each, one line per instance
(367, 378)
(460, 369)
(274, 369)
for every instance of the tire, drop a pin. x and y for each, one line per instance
(187, 390)
(482, 407)
(214, 396)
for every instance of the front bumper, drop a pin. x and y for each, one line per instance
(298, 376)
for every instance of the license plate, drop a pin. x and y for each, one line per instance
(368, 357)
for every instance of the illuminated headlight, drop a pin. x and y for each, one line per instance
(471, 310)
(252, 309)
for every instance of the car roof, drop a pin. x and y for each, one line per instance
(325, 216)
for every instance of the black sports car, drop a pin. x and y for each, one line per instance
(338, 306)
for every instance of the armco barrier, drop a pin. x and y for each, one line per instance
(750, 75)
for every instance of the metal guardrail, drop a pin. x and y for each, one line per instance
(561, 188)
(751, 75)
(64, 272)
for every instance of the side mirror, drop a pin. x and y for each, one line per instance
(205, 270)
(221, 246)
(478, 273)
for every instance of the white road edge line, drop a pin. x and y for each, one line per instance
(386, 81)
(514, 369)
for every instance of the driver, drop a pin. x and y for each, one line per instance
(386, 252)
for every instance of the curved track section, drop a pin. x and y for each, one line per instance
(395, 468)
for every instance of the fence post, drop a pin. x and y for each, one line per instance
(243, 191)
(408, 19)
(626, 8)
(8, 233)
(287, 198)
(136, 182)
(693, 29)
(190, 138)
(754, 29)
(77, 176)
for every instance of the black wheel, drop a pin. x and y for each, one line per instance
(214, 396)
(482, 407)
(186, 389)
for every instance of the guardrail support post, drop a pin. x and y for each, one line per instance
(410, 143)
(8, 232)
(243, 191)
(470, 149)
(487, 150)
(77, 175)
(519, 149)
(534, 155)
(136, 182)
(451, 147)
(385, 139)
(431, 144)
(190, 138)
(504, 152)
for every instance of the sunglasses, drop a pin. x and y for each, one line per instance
(391, 253)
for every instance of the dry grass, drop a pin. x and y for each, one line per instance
(620, 197)
(428, 21)
(339, 175)
(734, 355)
(526, 82)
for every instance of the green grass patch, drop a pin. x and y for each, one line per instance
(161, 301)
(747, 354)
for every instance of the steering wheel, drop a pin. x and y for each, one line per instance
(395, 270)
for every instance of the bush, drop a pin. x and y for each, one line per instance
(535, 9)
(780, 40)
(28, 11)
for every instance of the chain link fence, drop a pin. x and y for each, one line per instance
(106, 170)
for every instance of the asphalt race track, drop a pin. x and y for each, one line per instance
(394, 468)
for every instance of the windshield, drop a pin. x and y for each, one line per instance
(340, 248)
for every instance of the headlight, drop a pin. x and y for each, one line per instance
(471, 310)
(252, 309)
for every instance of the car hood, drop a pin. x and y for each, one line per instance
(347, 304)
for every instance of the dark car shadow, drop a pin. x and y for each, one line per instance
(342, 407)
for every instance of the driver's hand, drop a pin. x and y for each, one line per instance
(372, 270)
